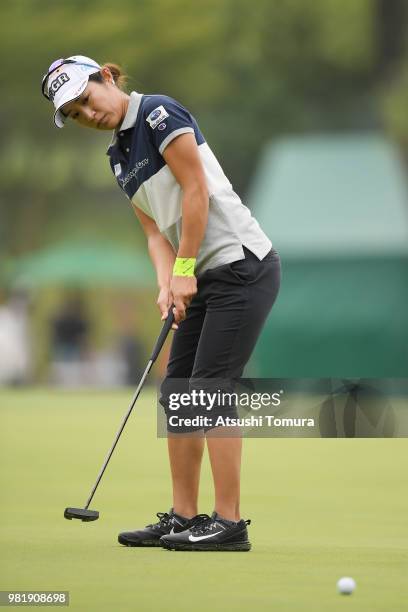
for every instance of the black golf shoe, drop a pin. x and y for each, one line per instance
(169, 522)
(210, 533)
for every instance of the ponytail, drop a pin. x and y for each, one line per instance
(119, 77)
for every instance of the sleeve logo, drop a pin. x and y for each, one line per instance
(157, 116)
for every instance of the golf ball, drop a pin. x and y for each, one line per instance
(346, 585)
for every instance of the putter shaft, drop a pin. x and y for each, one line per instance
(121, 428)
(168, 322)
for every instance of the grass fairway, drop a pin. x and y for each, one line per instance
(321, 509)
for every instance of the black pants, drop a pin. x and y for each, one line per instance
(222, 326)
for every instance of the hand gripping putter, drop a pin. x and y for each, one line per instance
(84, 514)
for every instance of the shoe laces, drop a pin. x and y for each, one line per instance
(202, 523)
(164, 520)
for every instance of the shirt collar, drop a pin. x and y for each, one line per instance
(130, 117)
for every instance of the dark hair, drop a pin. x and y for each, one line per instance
(118, 76)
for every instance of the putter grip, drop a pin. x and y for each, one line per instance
(163, 334)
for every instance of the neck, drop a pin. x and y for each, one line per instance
(124, 105)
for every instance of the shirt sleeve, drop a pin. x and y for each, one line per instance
(165, 120)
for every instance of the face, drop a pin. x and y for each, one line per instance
(101, 106)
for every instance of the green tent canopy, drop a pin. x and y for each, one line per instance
(83, 265)
(335, 195)
(336, 209)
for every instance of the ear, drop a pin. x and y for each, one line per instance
(107, 75)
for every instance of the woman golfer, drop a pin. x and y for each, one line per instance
(213, 262)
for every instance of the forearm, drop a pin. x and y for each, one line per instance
(194, 221)
(163, 256)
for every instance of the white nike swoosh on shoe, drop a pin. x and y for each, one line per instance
(197, 539)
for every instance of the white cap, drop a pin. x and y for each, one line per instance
(68, 81)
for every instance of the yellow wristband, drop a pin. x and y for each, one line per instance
(184, 266)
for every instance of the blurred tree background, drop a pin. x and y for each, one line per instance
(249, 72)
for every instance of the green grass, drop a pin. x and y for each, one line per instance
(321, 509)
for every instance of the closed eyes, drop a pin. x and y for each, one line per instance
(84, 101)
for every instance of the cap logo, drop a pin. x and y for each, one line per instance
(57, 84)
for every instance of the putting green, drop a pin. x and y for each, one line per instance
(321, 509)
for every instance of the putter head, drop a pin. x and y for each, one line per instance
(82, 514)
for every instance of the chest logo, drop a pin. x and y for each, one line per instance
(133, 173)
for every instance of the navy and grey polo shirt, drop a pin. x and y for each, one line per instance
(150, 124)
